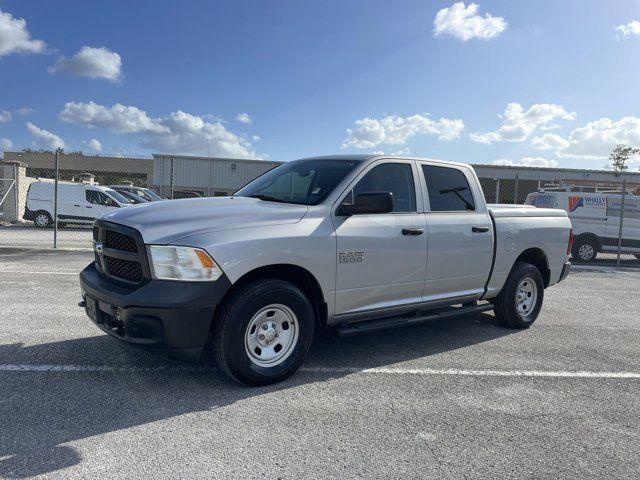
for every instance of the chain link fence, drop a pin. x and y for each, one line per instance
(606, 218)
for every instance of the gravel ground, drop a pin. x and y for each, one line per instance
(455, 398)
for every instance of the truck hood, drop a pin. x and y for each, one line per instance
(167, 221)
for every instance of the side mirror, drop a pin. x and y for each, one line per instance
(369, 202)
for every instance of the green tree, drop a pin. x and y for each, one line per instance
(619, 156)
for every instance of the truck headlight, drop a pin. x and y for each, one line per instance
(183, 263)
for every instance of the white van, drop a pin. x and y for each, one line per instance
(78, 203)
(595, 217)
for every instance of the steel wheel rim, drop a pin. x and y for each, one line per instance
(585, 251)
(42, 220)
(526, 296)
(271, 335)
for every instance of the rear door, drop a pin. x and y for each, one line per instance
(70, 203)
(459, 233)
(630, 221)
(381, 258)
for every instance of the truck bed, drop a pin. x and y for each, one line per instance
(500, 210)
(519, 228)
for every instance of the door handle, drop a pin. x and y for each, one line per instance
(76, 205)
(412, 231)
(88, 206)
(479, 229)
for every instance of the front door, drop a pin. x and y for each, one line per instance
(97, 203)
(382, 257)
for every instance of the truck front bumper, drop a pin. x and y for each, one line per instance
(170, 317)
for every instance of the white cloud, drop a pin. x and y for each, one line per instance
(16, 38)
(180, 132)
(118, 118)
(5, 116)
(548, 141)
(191, 134)
(244, 118)
(94, 144)
(91, 62)
(394, 130)
(43, 138)
(255, 138)
(596, 139)
(464, 23)
(5, 144)
(630, 29)
(518, 124)
(527, 162)
(402, 151)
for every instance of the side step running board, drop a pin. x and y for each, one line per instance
(366, 326)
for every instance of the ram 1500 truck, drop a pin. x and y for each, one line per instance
(359, 243)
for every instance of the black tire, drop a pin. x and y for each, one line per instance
(506, 306)
(42, 219)
(232, 326)
(585, 255)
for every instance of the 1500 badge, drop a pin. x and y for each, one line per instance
(351, 257)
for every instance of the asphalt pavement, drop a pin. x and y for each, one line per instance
(455, 398)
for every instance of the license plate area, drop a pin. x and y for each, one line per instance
(92, 308)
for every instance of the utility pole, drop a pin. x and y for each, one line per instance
(171, 179)
(55, 201)
(624, 193)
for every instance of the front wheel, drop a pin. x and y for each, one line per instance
(520, 301)
(263, 332)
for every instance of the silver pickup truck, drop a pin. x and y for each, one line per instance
(359, 243)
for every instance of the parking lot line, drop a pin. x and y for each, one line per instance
(75, 272)
(52, 368)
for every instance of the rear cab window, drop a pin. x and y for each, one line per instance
(448, 189)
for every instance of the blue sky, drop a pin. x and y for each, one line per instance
(534, 83)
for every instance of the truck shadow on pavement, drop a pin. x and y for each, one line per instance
(41, 412)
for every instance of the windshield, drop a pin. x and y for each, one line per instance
(119, 197)
(306, 182)
(151, 193)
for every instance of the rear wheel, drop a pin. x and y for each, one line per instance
(263, 332)
(584, 250)
(520, 300)
(42, 220)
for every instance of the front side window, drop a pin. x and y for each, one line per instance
(395, 178)
(305, 182)
(448, 189)
(99, 198)
(117, 195)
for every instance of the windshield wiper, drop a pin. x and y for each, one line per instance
(455, 191)
(267, 198)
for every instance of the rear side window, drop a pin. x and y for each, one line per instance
(391, 177)
(448, 189)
